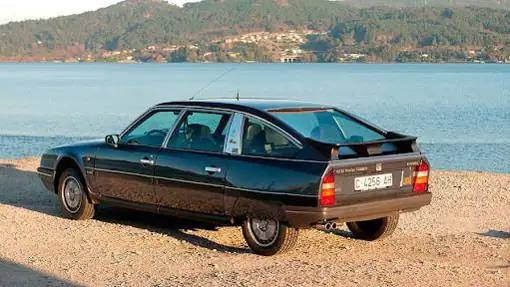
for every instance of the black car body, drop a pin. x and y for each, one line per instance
(230, 160)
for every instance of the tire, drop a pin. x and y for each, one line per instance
(375, 229)
(74, 203)
(284, 238)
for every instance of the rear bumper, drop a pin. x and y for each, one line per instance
(306, 216)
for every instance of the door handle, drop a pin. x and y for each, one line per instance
(147, 162)
(212, 169)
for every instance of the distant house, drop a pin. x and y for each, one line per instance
(291, 58)
(354, 56)
(71, 60)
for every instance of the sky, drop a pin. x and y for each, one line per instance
(18, 10)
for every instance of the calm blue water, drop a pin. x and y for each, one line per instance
(461, 113)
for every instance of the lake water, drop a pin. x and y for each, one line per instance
(461, 113)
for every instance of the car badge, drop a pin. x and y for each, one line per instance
(378, 167)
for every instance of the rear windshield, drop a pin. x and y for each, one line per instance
(329, 126)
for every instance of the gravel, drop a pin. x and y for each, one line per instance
(461, 239)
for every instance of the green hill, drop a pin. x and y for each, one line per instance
(382, 33)
(496, 4)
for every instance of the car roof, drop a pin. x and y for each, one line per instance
(264, 105)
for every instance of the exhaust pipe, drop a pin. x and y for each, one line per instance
(328, 226)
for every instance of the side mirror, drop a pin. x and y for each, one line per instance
(112, 140)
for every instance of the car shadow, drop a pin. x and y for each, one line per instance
(23, 189)
(338, 231)
(14, 274)
(341, 232)
(496, 234)
(171, 226)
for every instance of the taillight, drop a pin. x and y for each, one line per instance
(421, 178)
(327, 197)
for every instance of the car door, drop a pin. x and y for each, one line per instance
(126, 172)
(264, 170)
(190, 171)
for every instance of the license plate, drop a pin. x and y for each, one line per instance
(373, 182)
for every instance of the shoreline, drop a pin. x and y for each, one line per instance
(256, 63)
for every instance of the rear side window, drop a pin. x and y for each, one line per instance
(261, 140)
(329, 126)
(201, 131)
(152, 130)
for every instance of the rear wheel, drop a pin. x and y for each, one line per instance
(268, 236)
(73, 200)
(375, 229)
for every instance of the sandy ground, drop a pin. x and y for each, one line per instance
(462, 239)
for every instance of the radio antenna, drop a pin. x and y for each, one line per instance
(211, 83)
(237, 95)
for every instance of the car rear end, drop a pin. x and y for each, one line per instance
(371, 173)
(369, 188)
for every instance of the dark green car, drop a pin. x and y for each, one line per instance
(271, 166)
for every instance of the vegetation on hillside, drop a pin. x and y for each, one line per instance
(152, 30)
(497, 4)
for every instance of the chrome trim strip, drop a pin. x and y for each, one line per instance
(45, 174)
(187, 181)
(272, 192)
(123, 172)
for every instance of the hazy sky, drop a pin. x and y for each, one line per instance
(16, 10)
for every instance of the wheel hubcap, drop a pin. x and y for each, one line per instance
(72, 194)
(264, 231)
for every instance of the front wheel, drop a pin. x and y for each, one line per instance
(73, 200)
(268, 237)
(375, 229)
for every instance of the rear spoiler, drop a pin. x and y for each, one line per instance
(399, 144)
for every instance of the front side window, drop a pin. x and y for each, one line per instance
(261, 140)
(329, 126)
(201, 131)
(152, 130)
